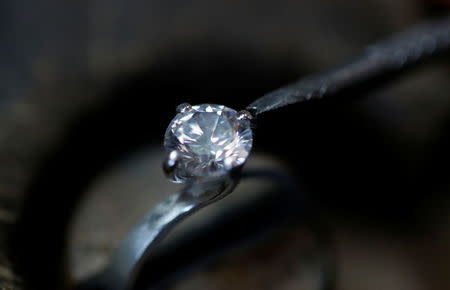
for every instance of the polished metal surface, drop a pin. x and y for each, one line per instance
(169, 165)
(184, 107)
(124, 265)
(244, 114)
(387, 57)
(122, 270)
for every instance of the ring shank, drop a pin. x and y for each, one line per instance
(391, 56)
(121, 271)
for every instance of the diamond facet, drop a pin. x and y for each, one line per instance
(209, 141)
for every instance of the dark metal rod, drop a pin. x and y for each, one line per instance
(390, 56)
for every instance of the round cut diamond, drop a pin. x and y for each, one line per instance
(207, 141)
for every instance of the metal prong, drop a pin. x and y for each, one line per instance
(169, 164)
(183, 108)
(244, 114)
(252, 110)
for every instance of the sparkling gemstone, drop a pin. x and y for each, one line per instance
(207, 141)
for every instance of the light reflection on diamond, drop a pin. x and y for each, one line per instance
(210, 140)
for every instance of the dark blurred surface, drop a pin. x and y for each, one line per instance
(86, 84)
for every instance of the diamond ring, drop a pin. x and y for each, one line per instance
(207, 145)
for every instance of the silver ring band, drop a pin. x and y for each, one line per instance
(125, 263)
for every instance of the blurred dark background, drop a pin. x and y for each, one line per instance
(84, 84)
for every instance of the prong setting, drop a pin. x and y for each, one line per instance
(183, 108)
(209, 141)
(170, 164)
(244, 114)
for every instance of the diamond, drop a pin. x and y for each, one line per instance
(207, 141)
